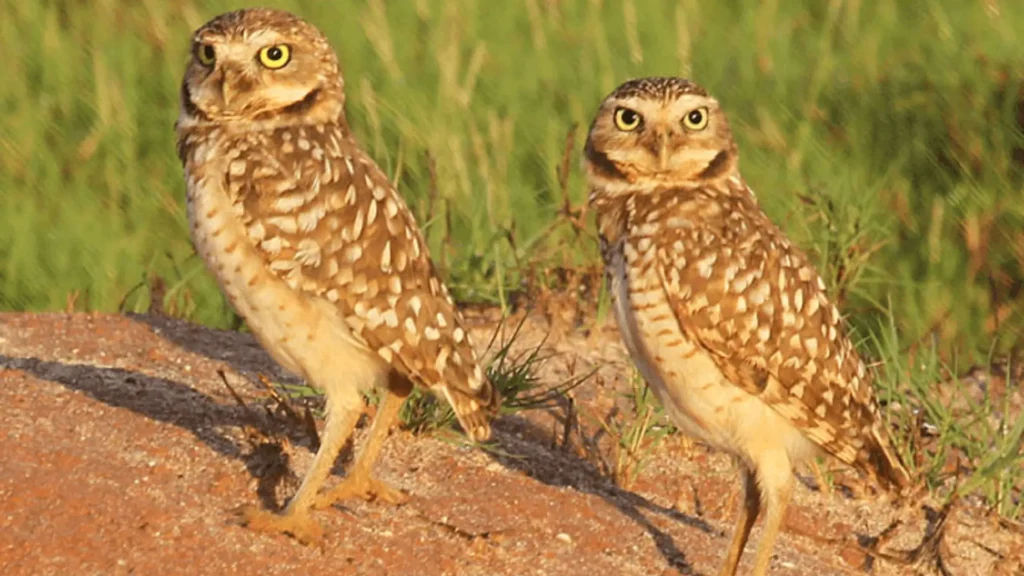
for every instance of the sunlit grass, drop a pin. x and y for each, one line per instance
(880, 134)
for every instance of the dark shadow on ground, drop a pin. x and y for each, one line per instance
(555, 467)
(238, 350)
(186, 407)
(178, 404)
(155, 398)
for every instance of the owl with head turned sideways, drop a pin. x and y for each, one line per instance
(314, 247)
(727, 321)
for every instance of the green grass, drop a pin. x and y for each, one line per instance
(514, 374)
(635, 434)
(880, 134)
(885, 136)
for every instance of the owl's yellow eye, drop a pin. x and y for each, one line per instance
(696, 119)
(206, 54)
(275, 57)
(627, 120)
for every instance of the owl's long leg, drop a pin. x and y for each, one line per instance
(359, 481)
(296, 519)
(775, 477)
(748, 515)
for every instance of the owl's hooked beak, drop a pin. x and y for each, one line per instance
(234, 80)
(228, 86)
(663, 150)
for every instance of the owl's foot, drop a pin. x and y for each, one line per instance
(360, 486)
(299, 525)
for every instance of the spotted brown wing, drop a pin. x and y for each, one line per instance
(754, 302)
(329, 223)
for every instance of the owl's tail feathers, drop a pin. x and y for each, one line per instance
(475, 408)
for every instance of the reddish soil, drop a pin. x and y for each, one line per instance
(125, 453)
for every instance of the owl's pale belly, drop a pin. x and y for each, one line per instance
(696, 395)
(303, 333)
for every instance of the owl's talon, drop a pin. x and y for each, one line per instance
(299, 525)
(361, 486)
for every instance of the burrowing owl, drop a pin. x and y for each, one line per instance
(313, 246)
(725, 319)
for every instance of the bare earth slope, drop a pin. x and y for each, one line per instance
(125, 453)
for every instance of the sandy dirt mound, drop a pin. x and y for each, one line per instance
(125, 453)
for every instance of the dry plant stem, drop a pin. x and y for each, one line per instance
(819, 477)
(283, 403)
(236, 396)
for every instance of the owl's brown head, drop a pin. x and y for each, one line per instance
(657, 132)
(262, 66)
